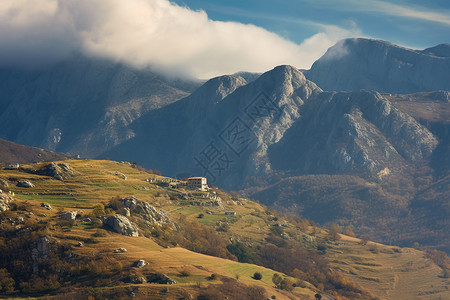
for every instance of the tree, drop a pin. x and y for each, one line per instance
(276, 279)
(283, 283)
(257, 276)
(349, 231)
(242, 252)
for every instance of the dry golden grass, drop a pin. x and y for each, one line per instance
(389, 272)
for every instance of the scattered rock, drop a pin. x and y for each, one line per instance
(80, 244)
(69, 216)
(46, 205)
(121, 224)
(5, 199)
(25, 184)
(160, 279)
(12, 167)
(137, 279)
(120, 250)
(140, 263)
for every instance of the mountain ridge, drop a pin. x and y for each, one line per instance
(354, 64)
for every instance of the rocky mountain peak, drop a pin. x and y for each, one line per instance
(354, 64)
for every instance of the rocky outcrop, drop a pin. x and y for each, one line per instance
(69, 216)
(5, 199)
(144, 210)
(25, 184)
(355, 64)
(121, 224)
(59, 171)
(358, 133)
(40, 251)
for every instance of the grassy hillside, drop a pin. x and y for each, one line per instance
(207, 250)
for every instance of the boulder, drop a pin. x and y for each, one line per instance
(69, 216)
(140, 263)
(46, 205)
(121, 224)
(25, 184)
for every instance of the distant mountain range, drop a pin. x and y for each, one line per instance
(81, 105)
(336, 143)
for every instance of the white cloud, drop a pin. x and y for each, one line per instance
(153, 33)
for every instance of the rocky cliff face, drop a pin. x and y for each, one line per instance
(355, 64)
(352, 133)
(80, 105)
(222, 130)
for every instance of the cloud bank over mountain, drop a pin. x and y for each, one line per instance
(144, 33)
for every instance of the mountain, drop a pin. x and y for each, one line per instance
(223, 129)
(12, 153)
(354, 64)
(81, 105)
(349, 157)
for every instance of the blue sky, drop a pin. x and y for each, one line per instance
(209, 38)
(412, 23)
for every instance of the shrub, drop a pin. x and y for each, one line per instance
(257, 276)
(99, 210)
